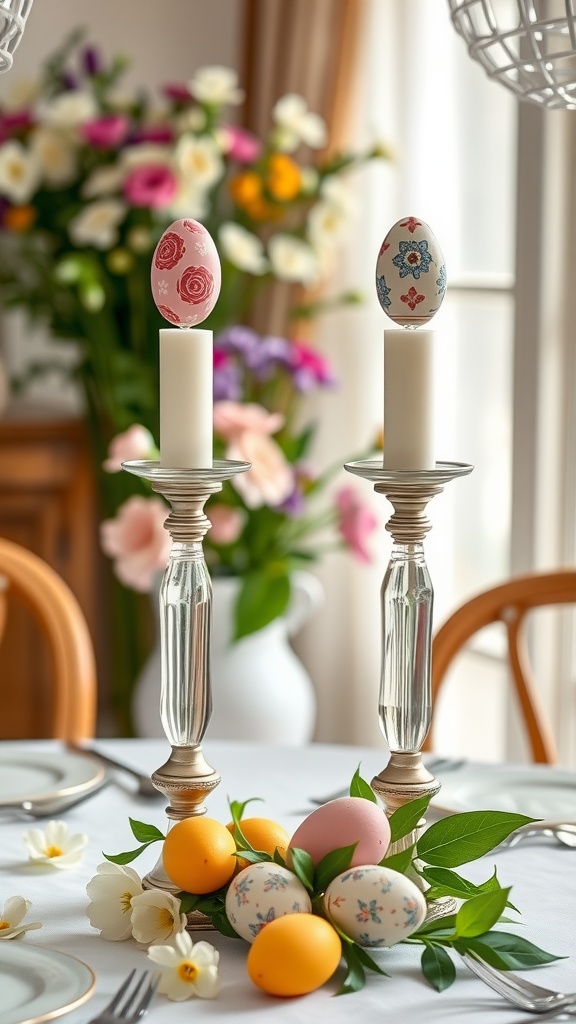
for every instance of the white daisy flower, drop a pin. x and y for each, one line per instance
(187, 968)
(111, 892)
(292, 259)
(54, 846)
(242, 248)
(19, 172)
(11, 915)
(103, 181)
(297, 124)
(57, 156)
(156, 917)
(216, 85)
(327, 223)
(68, 109)
(199, 161)
(97, 224)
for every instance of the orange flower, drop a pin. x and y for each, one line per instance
(283, 177)
(245, 188)
(19, 218)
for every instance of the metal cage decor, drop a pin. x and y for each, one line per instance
(527, 45)
(13, 14)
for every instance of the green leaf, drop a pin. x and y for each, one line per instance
(222, 924)
(464, 837)
(253, 856)
(506, 951)
(437, 967)
(367, 961)
(399, 861)
(405, 818)
(334, 863)
(188, 901)
(359, 787)
(237, 808)
(125, 858)
(445, 882)
(278, 858)
(303, 867)
(443, 924)
(263, 596)
(480, 913)
(355, 978)
(145, 833)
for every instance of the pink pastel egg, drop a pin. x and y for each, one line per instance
(185, 275)
(343, 822)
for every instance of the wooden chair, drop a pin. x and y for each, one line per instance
(508, 603)
(28, 578)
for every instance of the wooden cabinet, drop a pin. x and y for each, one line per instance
(48, 504)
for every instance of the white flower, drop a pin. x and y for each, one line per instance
(156, 917)
(309, 180)
(338, 192)
(189, 201)
(216, 85)
(111, 892)
(97, 224)
(11, 915)
(188, 969)
(55, 846)
(242, 248)
(19, 172)
(191, 120)
(21, 94)
(327, 223)
(297, 124)
(102, 181)
(292, 259)
(68, 109)
(57, 156)
(199, 161)
(145, 153)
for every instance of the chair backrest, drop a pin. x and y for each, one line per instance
(56, 611)
(508, 603)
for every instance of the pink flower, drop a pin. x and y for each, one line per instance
(157, 133)
(169, 251)
(232, 418)
(356, 522)
(243, 146)
(106, 132)
(270, 480)
(152, 185)
(137, 541)
(134, 443)
(226, 522)
(177, 91)
(310, 367)
(196, 285)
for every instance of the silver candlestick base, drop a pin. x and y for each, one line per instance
(405, 703)
(185, 620)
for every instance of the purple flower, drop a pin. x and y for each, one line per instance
(238, 340)
(157, 133)
(270, 352)
(227, 382)
(176, 91)
(91, 60)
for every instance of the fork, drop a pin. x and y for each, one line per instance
(517, 990)
(134, 1006)
(144, 785)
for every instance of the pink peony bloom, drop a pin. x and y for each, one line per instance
(134, 443)
(177, 91)
(153, 185)
(106, 132)
(226, 522)
(270, 480)
(232, 418)
(243, 146)
(137, 541)
(310, 367)
(356, 522)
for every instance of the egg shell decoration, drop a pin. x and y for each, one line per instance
(342, 822)
(410, 273)
(375, 906)
(261, 893)
(185, 277)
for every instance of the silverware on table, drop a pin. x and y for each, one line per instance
(520, 991)
(49, 806)
(129, 1005)
(562, 832)
(144, 786)
(441, 764)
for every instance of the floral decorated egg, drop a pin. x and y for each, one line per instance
(261, 893)
(410, 273)
(374, 905)
(185, 275)
(343, 822)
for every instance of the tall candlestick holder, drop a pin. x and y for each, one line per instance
(405, 702)
(185, 621)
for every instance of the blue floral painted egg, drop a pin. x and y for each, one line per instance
(374, 905)
(259, 894)
(410, 273)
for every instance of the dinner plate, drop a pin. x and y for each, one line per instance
(38, 984)
(536, 790)
(36, 776)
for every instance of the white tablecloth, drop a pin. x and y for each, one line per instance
(543, 877)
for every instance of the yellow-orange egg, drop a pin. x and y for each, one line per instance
(294, 955)
(198, 854)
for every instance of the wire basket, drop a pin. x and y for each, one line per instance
(13, 14)
(527, 45)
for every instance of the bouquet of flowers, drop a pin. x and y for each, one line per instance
(89, 180)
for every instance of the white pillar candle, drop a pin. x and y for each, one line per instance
(408, 399)
(186, 410)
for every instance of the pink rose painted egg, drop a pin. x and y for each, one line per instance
(410, 273)
(185, 275)
(343, 822)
